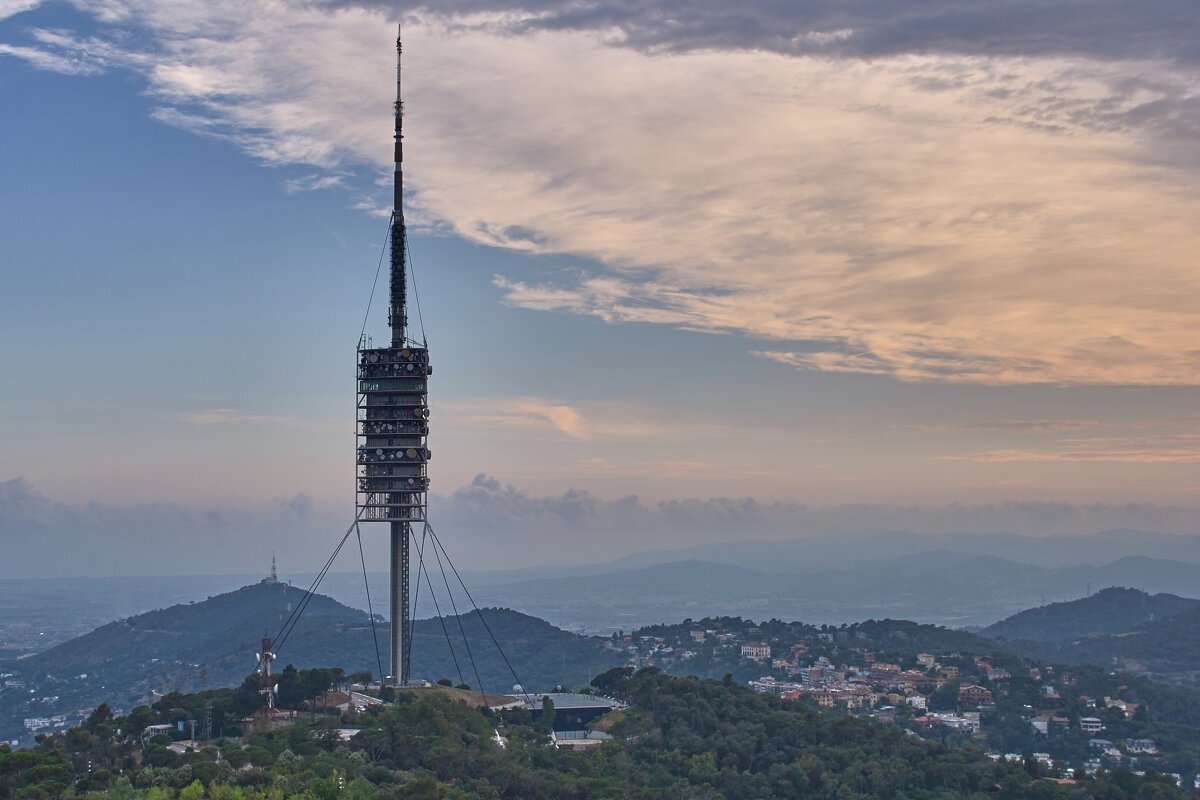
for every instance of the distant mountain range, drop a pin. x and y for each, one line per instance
(963, 580)
(849, 549)
(941, 587)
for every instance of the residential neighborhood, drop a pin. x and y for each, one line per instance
(1035, 712)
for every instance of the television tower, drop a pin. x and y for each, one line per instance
(392, 426)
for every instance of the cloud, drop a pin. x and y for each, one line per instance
(490, 519)
(505, 417)
(486, 524)
(602, 467)
(927, 192)
(52, 62)
(1025, 425)
(9, 8)
(96, 538)
(1104, 29)
(311, 183)
(301, 505)
(521, 413)
(1183, 449)
(230, 416)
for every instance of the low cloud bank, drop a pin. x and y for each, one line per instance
(486, 525)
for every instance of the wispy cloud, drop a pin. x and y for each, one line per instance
(603, 467)
(1141, 450)
(521, 413)
(904, 191)
(526, 415)
(312, 183)
(53, 62)
(10, 7)
(1025, 425)
(230, 416)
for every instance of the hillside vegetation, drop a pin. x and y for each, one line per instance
(212, 643)
(679, 738)
(1113, 610)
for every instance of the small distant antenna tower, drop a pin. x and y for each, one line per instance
(273, 578)
(266, 684)
(392, 426)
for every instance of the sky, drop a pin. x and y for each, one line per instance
(688, 273)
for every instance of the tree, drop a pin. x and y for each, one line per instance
(945, 698)
(611, 681)
(193, 791)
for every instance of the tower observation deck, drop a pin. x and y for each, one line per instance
(392, 425)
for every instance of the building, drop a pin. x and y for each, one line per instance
(882, 672)
(970, 695)
(572, 712)
(768, 685)
(756, 651)
(1129, 709)
(1091, 724)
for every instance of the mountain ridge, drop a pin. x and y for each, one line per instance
(1110, 611)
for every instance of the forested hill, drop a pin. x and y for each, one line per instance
(678, 738)
(191, 633)
(1165, 650)
(1108, 611)
(212, 643)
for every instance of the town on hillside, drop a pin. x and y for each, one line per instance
(1069, 721)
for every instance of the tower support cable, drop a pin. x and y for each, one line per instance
(370, 608)
(437, 543)
(290, 623)
(461, 629)
(442, 620)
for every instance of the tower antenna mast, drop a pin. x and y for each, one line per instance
(398, 308)
(392, 425)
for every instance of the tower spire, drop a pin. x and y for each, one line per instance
(398, 310)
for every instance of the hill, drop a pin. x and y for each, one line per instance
(1112, 610)
(212, 643)
(1164, 650)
